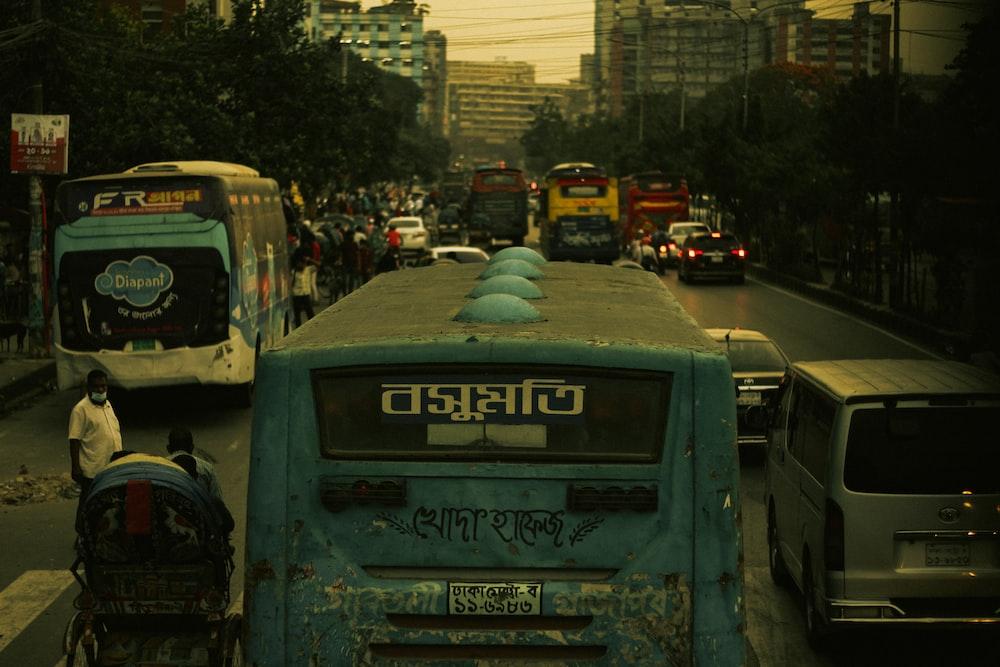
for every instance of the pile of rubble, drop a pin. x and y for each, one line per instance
(26, 488)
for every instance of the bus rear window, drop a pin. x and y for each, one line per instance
(584, 190)
(511, 413)
(498, 179)
(923, 451)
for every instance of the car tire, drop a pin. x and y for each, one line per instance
(775, 561)
(680, 274)
(816, 627)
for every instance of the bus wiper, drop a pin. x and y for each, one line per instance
(487, 442)
(727, 339)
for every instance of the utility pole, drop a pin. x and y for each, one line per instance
(37, 335)
(746, 71)
(894, 251)
(683, 95)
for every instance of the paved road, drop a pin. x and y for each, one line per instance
(36, 594)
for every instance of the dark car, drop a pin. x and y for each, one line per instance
(758, 368)
(712, 255)
(450, 226)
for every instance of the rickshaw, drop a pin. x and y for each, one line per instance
(156, 559)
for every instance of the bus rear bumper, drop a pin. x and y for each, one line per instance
(229, 362)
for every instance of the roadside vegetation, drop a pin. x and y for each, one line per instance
(810, 176)
(256, 91)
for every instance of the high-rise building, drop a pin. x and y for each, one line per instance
(644, 48)
(848, 46)
(493, 101)
(390, 35)
(500, 70)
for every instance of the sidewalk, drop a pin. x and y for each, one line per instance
(947, 343)
(22, 377)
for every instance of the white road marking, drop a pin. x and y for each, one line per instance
(27, 597)
(233, 446)
(828, 309)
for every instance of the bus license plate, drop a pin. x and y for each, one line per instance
(748, 398)
(140, 345)
(494, 599)
(947, 553)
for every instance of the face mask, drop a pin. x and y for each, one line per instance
(98, 397)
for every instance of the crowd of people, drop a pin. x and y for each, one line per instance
(349, 242)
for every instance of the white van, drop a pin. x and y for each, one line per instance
(882, 485)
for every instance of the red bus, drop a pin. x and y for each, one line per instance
(498, 204)
(651, 200)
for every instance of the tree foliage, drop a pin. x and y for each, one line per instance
(257, 91)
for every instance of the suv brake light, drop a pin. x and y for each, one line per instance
(694, 252)
(739, 252)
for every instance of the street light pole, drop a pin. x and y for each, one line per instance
(746, 49)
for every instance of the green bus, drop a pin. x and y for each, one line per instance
(531, 461)
(169, 273)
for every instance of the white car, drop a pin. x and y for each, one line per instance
(415, 237)
(455, 254)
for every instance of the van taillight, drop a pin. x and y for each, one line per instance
(833, 537)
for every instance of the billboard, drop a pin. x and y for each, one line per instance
(39, 144)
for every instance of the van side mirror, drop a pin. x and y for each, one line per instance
(757, 417)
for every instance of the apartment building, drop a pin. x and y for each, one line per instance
(390, 35)
(689, 46)
(493, 101)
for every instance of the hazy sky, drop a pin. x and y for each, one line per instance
(553, 34)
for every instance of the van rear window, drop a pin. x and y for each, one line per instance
(923, 450)
(517, 413)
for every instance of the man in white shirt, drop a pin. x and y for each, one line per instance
(94, 432)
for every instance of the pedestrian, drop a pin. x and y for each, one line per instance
(302, 289)
(180, 442)
(349, 257)
(94, 432)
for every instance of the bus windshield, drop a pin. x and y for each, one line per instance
(520, 413)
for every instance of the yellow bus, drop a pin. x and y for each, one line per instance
(578, 214)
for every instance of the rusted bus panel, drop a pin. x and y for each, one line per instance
(266, 562)
(343, 564)
(719, 621)
(642, 621)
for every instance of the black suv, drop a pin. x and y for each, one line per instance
(712, 255)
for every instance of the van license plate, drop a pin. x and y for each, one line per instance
(493, 599)
(947, 553)
(748, 398)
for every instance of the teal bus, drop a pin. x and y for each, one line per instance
(169, 273)
(531, 461)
